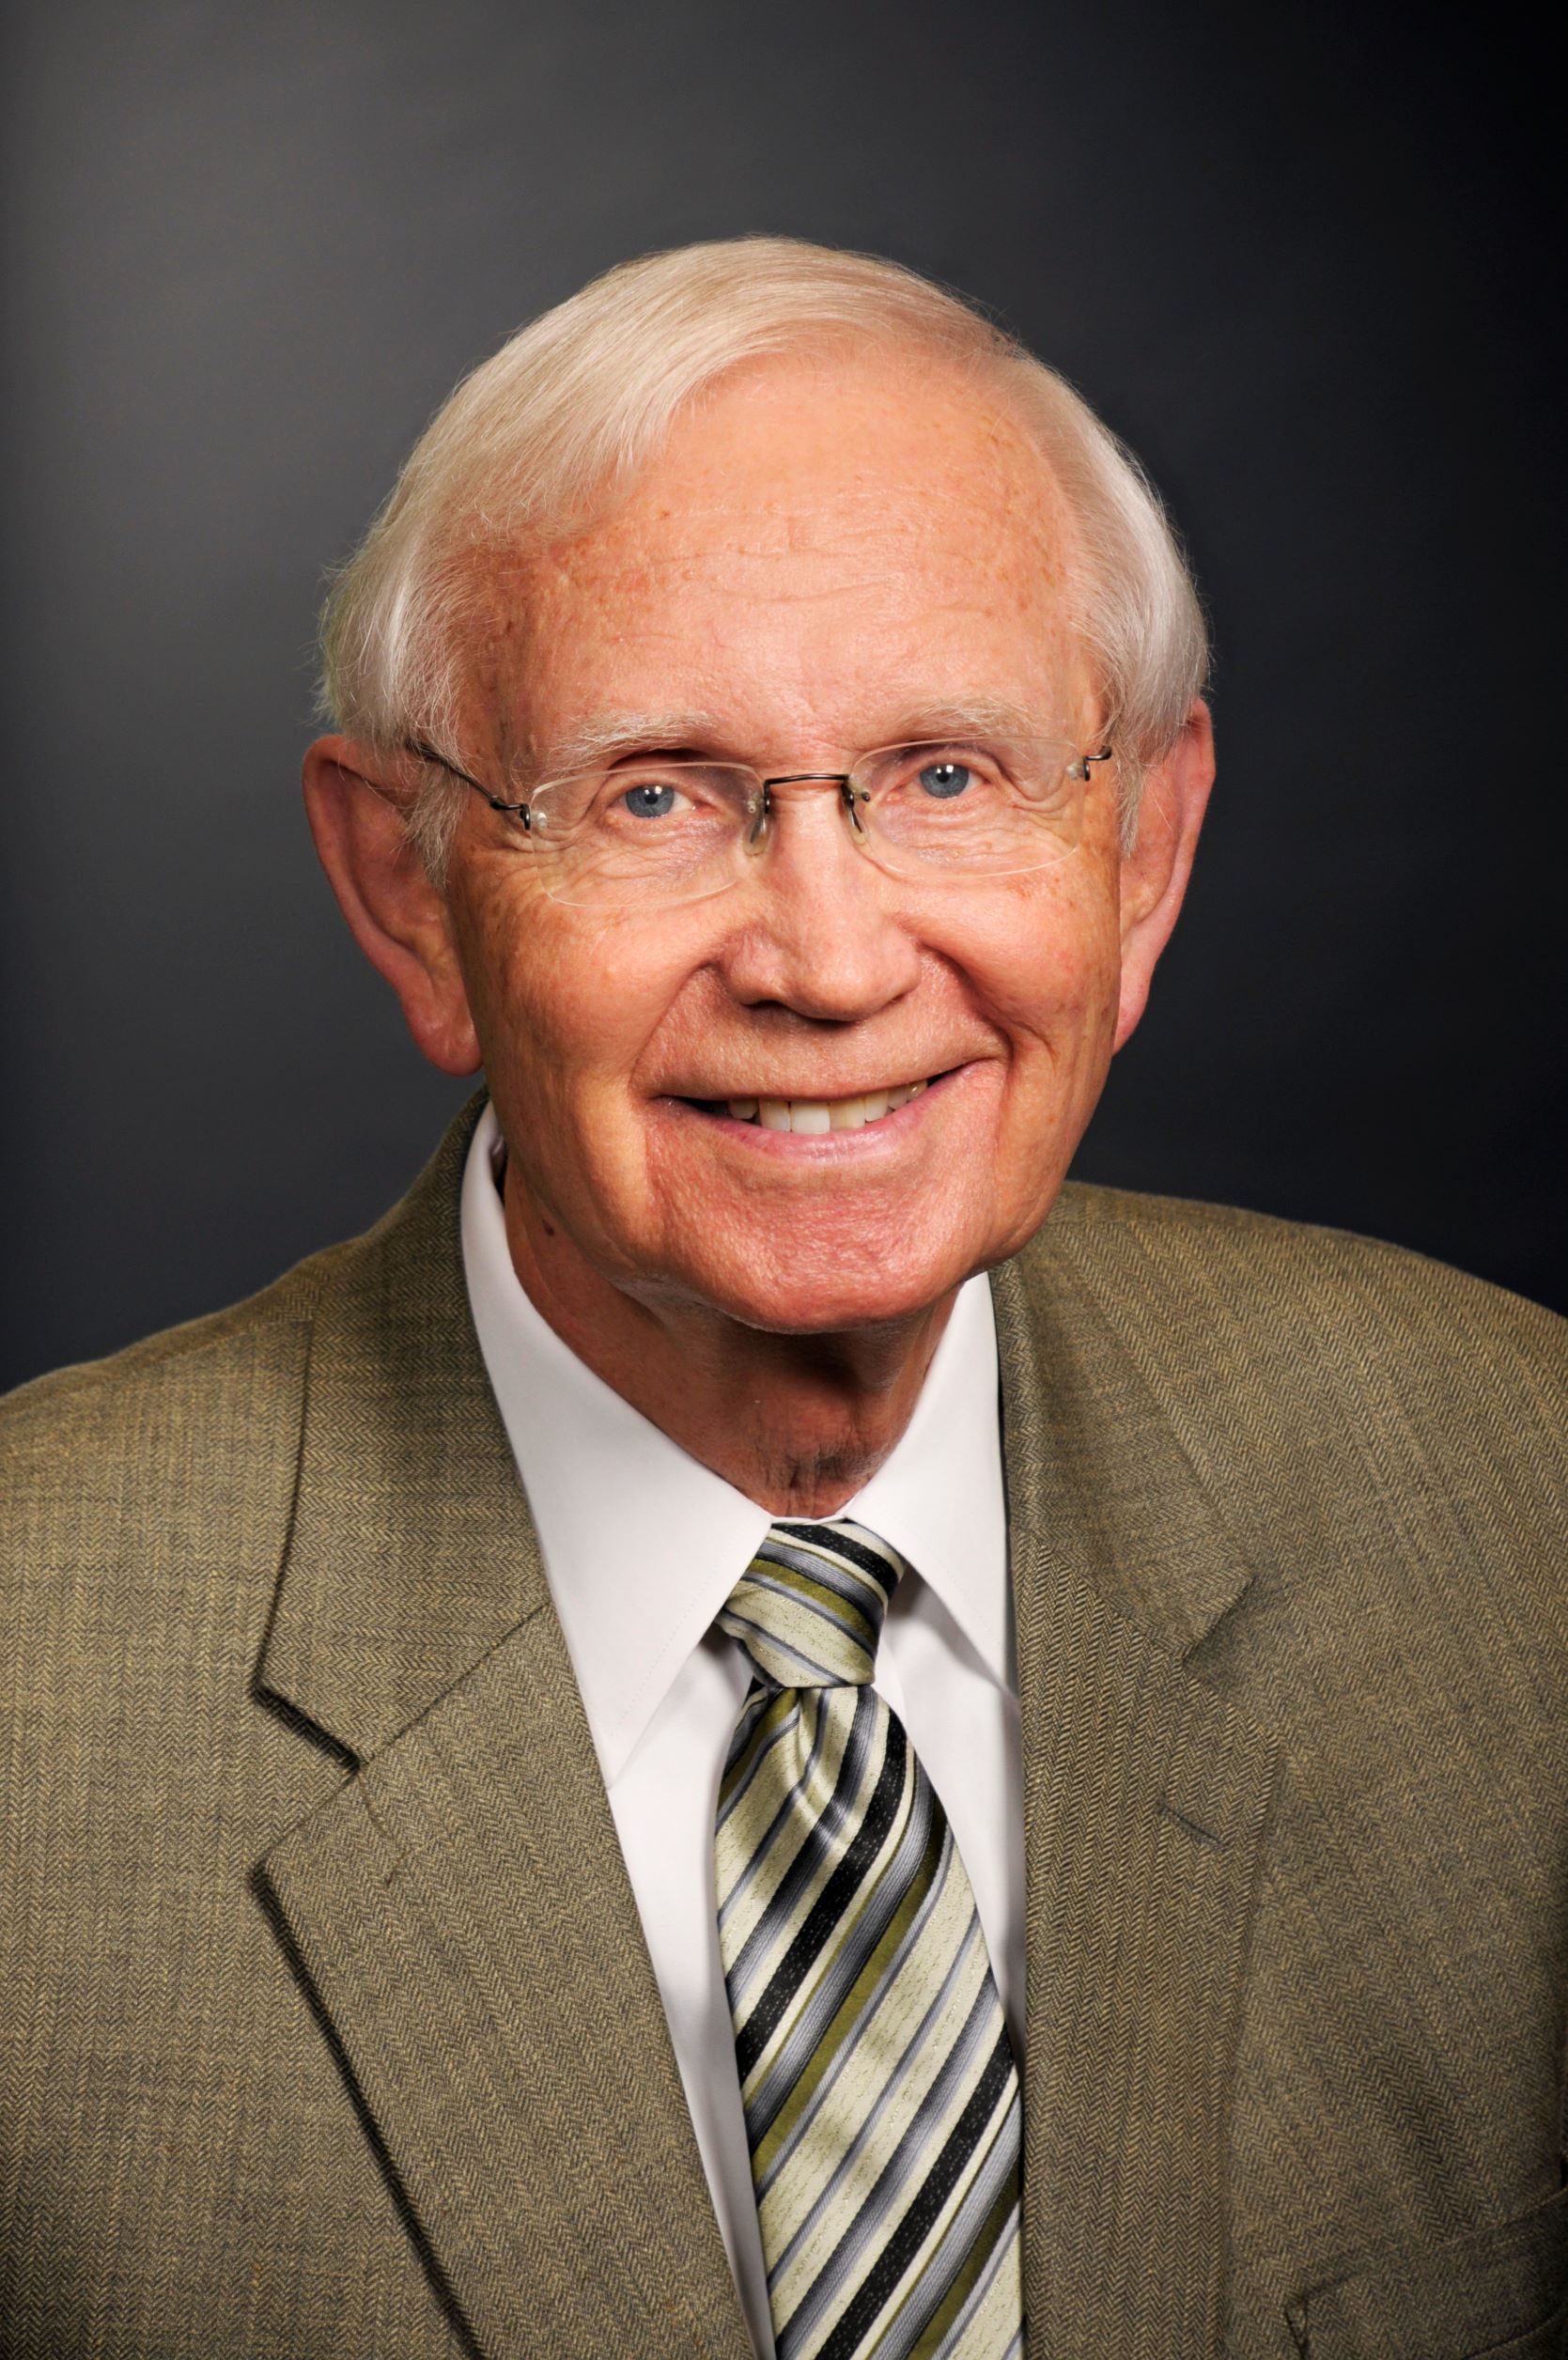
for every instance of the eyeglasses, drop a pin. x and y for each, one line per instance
(655, 830)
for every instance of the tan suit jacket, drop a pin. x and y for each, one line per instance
(327, 2031)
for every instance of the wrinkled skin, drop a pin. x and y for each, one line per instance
(822, 552)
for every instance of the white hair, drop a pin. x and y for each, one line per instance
(542, 437)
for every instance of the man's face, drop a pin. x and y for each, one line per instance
(822, 554)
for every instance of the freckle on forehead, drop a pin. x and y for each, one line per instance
(792, 486)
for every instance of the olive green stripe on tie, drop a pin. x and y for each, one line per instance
(880, 2088)
(886, 1960)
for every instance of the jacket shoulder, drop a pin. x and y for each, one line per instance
(101, 1394)
(114, 1471)
(184, 1440)
(1349, 1406)
(1385, 1437)
(1217, 1270)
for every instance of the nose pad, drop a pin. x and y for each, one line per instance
(853, 795)
(849, 797)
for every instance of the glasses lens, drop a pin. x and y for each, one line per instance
(644, 834)
(652, 832)
(992, 809)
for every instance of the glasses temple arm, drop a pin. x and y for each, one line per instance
(423, 752)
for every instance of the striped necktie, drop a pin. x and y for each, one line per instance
(880, 2095)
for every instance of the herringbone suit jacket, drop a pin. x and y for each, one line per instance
(327, 2031)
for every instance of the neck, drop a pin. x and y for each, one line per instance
(798, 1422)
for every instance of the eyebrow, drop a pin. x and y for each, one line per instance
(604, 739)
(970, 717)
(607, 737)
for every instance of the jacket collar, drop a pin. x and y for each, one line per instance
(1094, 1468)
(410, 1553)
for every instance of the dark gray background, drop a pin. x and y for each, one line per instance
(1295, 256)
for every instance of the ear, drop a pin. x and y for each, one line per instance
(395, 913)
(1155, 873)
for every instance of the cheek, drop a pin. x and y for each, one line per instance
(1054, 974)
(565, 1004)
(1046, 962)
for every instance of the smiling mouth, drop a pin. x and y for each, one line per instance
(816, 1116)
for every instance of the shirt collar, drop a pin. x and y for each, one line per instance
(643, 1544)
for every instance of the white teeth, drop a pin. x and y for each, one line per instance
(812, 1117)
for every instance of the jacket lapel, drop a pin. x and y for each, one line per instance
(459, 1910)
(1145, 1802)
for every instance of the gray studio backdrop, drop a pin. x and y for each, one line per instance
(1294, 256)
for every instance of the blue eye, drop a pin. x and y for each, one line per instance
(650, 801)
(946, 779)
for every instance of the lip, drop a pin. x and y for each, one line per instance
(828, 1147)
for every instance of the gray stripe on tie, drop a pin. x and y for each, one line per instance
(958, 2243)
(883, 2201)
(876, 1905)
(911, 2051)
(739, 1624)
(953, 2342)
(845, 1580)
(750, 1717)
(857, 1636)
(785, 1813)
(851, 1780)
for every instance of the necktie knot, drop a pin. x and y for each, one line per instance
(809, 1607)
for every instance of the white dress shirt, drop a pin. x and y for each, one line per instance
(642, 1546)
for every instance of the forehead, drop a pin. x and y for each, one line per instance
(815, 543)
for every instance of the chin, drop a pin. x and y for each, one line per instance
(804, 1296)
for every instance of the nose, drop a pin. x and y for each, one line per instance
(822, 933)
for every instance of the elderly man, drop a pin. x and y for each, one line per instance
(754, 1727)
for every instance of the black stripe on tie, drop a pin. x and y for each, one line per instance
(924, 1849)
(830, 1905)
(907, 2239)
(838, 1542)
(820, 1838)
